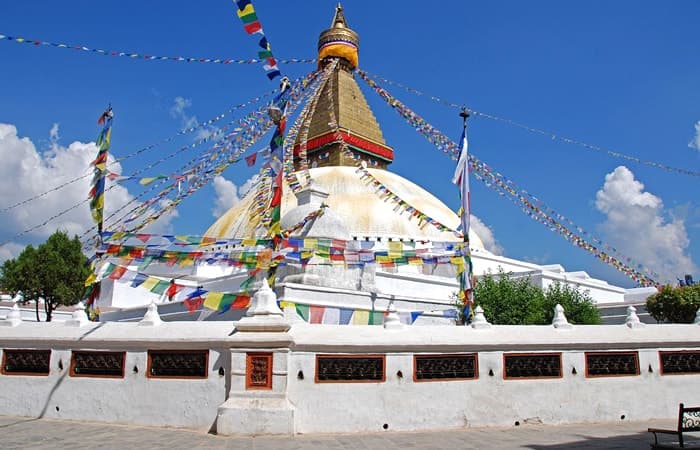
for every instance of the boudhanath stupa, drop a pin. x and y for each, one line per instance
(343, 147)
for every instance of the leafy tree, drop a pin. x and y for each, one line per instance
(578, 306)
(54, 272)
(675, 304)
(509, 300)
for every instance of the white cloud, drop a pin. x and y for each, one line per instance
(228, 194)
(27, 172)
(10, 250)
(636, 225)
(179, 111)
(53, 134)
(695, 143)
(486, 234)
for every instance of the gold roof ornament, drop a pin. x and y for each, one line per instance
(339, 41)
(356, 123)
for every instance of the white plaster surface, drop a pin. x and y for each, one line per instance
(304, 406)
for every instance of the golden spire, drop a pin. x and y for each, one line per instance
(339, 41)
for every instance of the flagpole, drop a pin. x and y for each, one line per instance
(461, 178)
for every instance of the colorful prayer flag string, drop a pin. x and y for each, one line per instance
(132, 55)
(548, 134)
(251, 25)
(97, 192)
(494, 180)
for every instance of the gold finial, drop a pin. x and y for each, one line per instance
(339, 18)
(339, 41)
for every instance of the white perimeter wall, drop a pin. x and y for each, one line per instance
(399, 402)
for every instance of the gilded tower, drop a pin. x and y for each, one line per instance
(358, 126)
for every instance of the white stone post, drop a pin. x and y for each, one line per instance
(79, 318)
(560, 321)
(151, 318)
(14, 317)
(392, 321)
(479, 321)
(632, 319)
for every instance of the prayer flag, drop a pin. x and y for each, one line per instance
(331, 316)
(360, 317)
(345, 316)
(461, 179)
(316, 314)
(250, 159)
(213, 300)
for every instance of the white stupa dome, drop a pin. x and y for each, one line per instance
(361, 209)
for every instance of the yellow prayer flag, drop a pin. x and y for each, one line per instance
(213, 300)
(285, 304)
(360, 317)
(395, 249)
(149, 283)
(245, 11)
(91, 279)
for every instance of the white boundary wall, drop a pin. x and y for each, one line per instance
(301, 405)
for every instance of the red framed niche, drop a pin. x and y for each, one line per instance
(432, 377)
(669, 367)
(258, 371)
(183, 364)
(350, 368)
(529, 371)
(97, 364)
(633, 373)
(36, 362)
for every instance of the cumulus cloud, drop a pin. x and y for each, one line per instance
(179, 111)
(486, 234)
(695, 142)
(27, 172)
(228, 194)
(53, 134)
(10, 250)
(639, 227)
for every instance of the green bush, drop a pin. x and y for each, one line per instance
(55, 272)
(509, 300)
(675, 304)
(578, 306)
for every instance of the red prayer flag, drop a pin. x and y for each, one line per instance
(253, 27)
(241, 302)
(250, 159)
(193, 304)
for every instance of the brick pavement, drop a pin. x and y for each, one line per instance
(22, 433)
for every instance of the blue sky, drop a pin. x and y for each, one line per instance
(620, 75)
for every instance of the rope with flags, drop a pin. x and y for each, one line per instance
(278, 114)
(97, 192)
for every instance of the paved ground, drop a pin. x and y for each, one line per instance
(20, 432)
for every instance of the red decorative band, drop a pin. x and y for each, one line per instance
(362, 144)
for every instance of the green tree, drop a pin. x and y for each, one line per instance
(509, 300)
(675, 304)
(54, 272)
(578, 306)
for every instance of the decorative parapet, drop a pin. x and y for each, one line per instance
(13, 318)
(79, 318)
(151, 318)
(560, 321)
(392, 321)
(479, 322)
(632, 319)
(263, 313)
